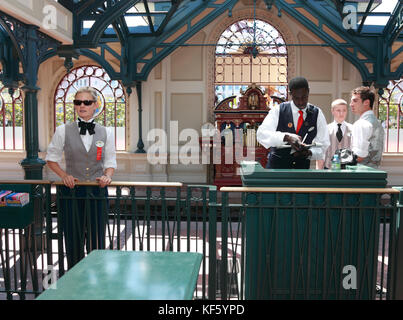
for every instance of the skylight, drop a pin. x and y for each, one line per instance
(386, 7)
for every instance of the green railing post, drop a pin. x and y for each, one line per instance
(212, 272)
(119, 213)
(59, 231)
(399, 250)
(224, 247)
(49, 234)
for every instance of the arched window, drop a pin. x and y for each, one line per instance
(112, 111)
(391, 115)
(238, 63)
(11, 119)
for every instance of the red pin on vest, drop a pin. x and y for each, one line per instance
(99, 145)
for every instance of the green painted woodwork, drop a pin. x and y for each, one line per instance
(298, 244)
(359, 176)
(140, 144)
(129, 275)
(17, 217)
(32, 164)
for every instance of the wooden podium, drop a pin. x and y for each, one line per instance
(243, 116)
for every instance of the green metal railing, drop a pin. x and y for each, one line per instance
(25, 246)
(299, 241)
(237, 260)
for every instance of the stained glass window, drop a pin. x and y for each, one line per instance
(250, 51)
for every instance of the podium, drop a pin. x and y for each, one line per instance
(309, 237)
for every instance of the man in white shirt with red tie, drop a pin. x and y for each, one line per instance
(291, 127)
(89, 151)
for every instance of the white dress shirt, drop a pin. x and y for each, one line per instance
(362, 131)
(268, 137)
(333, 127)
(56, 146)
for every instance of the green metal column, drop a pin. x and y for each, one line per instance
(140, 144)
(32, 164)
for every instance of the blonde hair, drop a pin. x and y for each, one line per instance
(90, 90)
(339, 101)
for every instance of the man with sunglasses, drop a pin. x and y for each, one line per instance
(89, 151)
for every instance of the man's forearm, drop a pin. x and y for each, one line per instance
(54, 166)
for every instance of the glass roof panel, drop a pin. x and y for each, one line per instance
(386, 7)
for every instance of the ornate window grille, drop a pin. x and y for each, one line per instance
(250, 51)
(11, 120)
(112, 111)
(391, 115)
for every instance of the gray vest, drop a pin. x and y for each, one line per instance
(81, 164)
(335, 144)
(376, 141)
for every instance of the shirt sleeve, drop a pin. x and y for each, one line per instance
(266, 134)
(361, 132)
(322, 138)
(110, 151)
(56, 145)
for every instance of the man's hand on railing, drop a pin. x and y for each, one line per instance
(69, 181)
(104, 180)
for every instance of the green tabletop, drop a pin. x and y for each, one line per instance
(359, 176)
(129, 275)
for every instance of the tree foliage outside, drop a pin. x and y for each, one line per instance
(393, 115)
(11, 108)
(390, 105)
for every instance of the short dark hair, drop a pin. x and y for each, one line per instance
(298, 83)
(365, 93)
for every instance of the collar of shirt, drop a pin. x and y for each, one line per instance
(295, 109)
(343, 125)
(367, 112)
(84, 120)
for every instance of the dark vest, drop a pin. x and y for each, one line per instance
(281, 158)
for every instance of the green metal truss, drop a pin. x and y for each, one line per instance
(369, 50)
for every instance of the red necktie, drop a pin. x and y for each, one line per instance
(300, 120)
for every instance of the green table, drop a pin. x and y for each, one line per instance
(129, 275)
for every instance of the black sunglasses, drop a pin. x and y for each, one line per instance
(86, 102)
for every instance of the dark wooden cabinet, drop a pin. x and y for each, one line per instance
(237, 122)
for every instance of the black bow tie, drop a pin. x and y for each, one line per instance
(84, 126)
